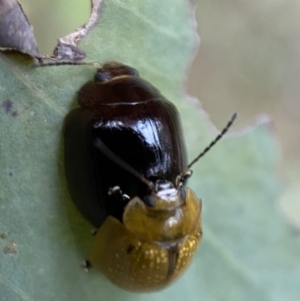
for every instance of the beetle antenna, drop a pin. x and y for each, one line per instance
(225, 129)
(63, 63)
(108, 153)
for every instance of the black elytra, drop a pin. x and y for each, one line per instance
(137, 123)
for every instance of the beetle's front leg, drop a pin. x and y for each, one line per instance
(117, 193)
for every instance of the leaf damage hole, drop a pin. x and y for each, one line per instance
(3, 236)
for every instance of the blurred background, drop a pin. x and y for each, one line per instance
(248, 62)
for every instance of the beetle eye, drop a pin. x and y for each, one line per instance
(149, 201)
(102, 76)
(182, 193)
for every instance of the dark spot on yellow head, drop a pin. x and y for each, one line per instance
(130, 248)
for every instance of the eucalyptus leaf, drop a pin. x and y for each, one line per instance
(247, 252)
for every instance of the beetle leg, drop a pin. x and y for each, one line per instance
(114, 190)
(86, 265)
(184, 177)
(117, 193)
(125, 197)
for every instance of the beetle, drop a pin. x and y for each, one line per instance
(126, 169)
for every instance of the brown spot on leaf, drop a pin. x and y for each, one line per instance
(3, 236)
(7, 105)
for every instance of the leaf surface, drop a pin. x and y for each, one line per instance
(247, 253)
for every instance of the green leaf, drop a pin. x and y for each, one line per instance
(247, 253)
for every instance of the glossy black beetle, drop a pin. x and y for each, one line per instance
(126, 167)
